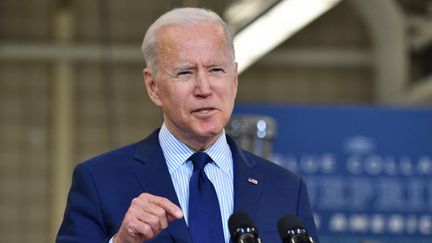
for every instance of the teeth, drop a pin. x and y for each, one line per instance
(204, 111)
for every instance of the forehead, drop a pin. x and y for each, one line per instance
(190, 30)
(204, 38)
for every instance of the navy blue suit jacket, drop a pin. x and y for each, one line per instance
(103, 187)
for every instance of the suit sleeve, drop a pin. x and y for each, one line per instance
(82, 220)
(304, 211)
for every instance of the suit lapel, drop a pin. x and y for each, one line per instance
(248, 183)
(153, 175)
(154, 178)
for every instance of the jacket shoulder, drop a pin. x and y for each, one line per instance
(122, 155)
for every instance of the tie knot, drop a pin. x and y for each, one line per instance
(200, 160)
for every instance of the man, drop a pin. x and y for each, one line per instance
(143, 192)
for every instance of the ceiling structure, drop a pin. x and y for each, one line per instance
(400, 36)
(71, 85)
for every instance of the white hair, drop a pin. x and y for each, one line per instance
(181, 17)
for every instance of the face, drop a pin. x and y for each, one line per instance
(196, 82)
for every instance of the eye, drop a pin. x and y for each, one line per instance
(184, 73)
(217, 70)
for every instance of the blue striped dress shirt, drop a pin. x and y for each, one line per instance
(220, 172)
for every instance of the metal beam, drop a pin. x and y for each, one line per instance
(422, 31)
(342, 57)
(387, 26)
(419, 93)
(319, 57)
(65, 51)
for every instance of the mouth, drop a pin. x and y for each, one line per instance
(203, 111)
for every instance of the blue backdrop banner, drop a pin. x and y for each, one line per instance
(368, 169)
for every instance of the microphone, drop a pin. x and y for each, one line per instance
(242, 229)
(291, 230)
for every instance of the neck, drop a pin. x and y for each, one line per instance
(196, 143)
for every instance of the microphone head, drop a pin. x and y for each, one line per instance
(289, 222)
(240, 223)
(291, 229)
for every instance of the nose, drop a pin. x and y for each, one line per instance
(202, 85)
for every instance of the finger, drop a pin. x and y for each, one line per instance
(172, 210)
(147, 216)
(150, 213)
(149, 219)
(133, 230)
(159, 214)
(156, 206)
(142, 229)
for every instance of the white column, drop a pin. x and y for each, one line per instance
(63, 126)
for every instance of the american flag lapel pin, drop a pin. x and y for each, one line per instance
(253, 181)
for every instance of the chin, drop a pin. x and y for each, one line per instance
(209, 131)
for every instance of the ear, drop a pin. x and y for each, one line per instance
(151, 86)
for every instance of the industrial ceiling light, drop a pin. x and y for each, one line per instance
(274, 26)
(242, 12)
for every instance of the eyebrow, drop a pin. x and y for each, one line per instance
(187, 66)
(217, 65)
(184, 66)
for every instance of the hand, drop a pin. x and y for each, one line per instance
(146, 217)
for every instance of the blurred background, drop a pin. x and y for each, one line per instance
(71, 82)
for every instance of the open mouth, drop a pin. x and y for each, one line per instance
(203, 110)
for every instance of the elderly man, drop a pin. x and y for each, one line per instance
(183, 182)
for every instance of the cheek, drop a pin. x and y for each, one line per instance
(231, 94)
(179, 100)
(172, 96)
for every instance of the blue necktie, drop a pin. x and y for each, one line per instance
(205, 223)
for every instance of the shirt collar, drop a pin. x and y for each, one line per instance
(177, 153)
